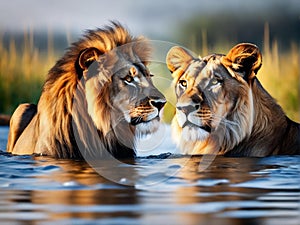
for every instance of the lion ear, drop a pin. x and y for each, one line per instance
(244, 58)
(87, 57)
(176, 57)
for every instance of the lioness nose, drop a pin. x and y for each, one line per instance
(158, 103)
(188, 109)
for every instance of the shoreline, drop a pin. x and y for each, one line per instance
(4, 120)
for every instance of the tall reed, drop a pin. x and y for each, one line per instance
(22, 72)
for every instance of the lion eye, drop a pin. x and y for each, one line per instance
(128, 78)
(183, 83)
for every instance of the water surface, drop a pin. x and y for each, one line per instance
(165, 189)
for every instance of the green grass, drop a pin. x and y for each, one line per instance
(280, 75)
(22, 73)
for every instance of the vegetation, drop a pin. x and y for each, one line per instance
(279, 74)
(23, 70)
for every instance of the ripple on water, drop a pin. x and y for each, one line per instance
(166, 188)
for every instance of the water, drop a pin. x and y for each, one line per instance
(164, 190)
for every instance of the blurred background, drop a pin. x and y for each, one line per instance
(34, 34)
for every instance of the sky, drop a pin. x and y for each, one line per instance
(150, 17)
(140, 16)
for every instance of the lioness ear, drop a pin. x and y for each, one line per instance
(176, 57)
(244, 58)
(87, 57)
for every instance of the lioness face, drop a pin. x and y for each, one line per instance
(121, 83)
(206, 95)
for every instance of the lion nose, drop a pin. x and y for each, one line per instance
(188, 109)
(158, 103)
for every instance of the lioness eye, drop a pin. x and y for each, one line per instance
(183, 83)
(214, 81)
(128, 78)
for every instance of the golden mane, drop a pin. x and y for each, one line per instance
(63, 78)
(55, 119)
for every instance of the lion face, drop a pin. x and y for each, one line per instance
(136, 98)
(214, 98)
(119, 89)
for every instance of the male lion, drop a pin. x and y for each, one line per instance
(98, 97)
(223, 109)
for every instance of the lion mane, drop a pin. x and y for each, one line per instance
(223, 109)
(80, 96)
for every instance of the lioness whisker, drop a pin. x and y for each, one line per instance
(238, 116)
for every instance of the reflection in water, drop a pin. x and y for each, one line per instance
(167, 190)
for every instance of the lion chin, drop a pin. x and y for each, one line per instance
(142, 130)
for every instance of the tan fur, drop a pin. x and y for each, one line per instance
(223, 109)
(85, 100)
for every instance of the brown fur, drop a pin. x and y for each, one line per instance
(85, 99)
(223, 109)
